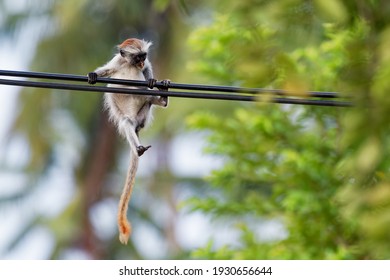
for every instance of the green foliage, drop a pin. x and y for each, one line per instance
(222, 47)
(274, 168)
(322, 172)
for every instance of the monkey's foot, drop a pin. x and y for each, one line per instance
(165, 85)
(141, 150)
(92, 77)
(164, 98)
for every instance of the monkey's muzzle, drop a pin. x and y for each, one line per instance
(141, 64)
(139, 60)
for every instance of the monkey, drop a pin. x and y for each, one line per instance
(130, 113)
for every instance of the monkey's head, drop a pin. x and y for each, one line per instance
(135, 51)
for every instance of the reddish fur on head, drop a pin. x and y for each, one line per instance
(131, 42)
(135, 45)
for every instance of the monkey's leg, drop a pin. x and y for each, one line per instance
(142, 115)
(163, 100)
(131, 133)
(160, 101)
(127, 127)
(141, 149)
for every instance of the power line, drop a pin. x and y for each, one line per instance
(192, 90)
(230, 89)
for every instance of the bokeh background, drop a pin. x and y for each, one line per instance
(224, 180)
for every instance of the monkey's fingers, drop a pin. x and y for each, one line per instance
(152, 83)
(92, 78)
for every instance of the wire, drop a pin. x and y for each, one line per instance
(246, 94)
(76, 78)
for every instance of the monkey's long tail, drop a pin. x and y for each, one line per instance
(123, 224)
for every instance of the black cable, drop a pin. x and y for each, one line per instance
(233, 97)
(192, 87)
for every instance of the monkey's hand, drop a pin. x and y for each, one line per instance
(151, 83)
(92, 77)
(165, 84)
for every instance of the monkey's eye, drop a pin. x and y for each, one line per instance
(141, 56)
(138, 57)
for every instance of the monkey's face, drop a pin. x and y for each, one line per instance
(136, 59)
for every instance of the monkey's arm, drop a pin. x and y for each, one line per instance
(148, 74)
(106, 70)
(148, 70)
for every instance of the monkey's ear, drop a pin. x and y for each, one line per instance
(122, 52)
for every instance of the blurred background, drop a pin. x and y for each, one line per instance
(224, 180)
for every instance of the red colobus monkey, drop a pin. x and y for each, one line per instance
(130, 113)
